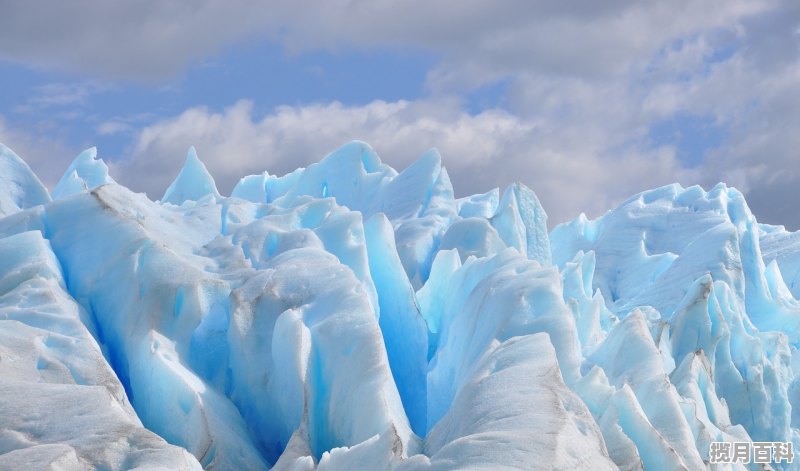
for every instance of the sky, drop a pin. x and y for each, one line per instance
(585, 102)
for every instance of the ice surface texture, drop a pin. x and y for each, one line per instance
(347, 316)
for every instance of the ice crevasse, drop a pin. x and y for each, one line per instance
(347, 316)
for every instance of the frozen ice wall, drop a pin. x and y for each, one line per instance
(350, 316)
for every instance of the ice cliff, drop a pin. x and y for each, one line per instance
(346, 316)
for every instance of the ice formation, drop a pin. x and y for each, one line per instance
(346, 316)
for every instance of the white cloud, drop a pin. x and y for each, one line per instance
(587, 81)
(47, 155)
(60, 102)
(490, 149)
(65, 94)
(108, 128)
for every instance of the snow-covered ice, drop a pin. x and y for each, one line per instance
(349, 316)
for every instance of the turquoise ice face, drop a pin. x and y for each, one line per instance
(349, 316)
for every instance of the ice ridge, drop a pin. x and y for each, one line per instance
(350, 316)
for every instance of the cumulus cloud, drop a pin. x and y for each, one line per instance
(587, 84)
(480, 151)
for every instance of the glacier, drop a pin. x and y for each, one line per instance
(349, 316)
